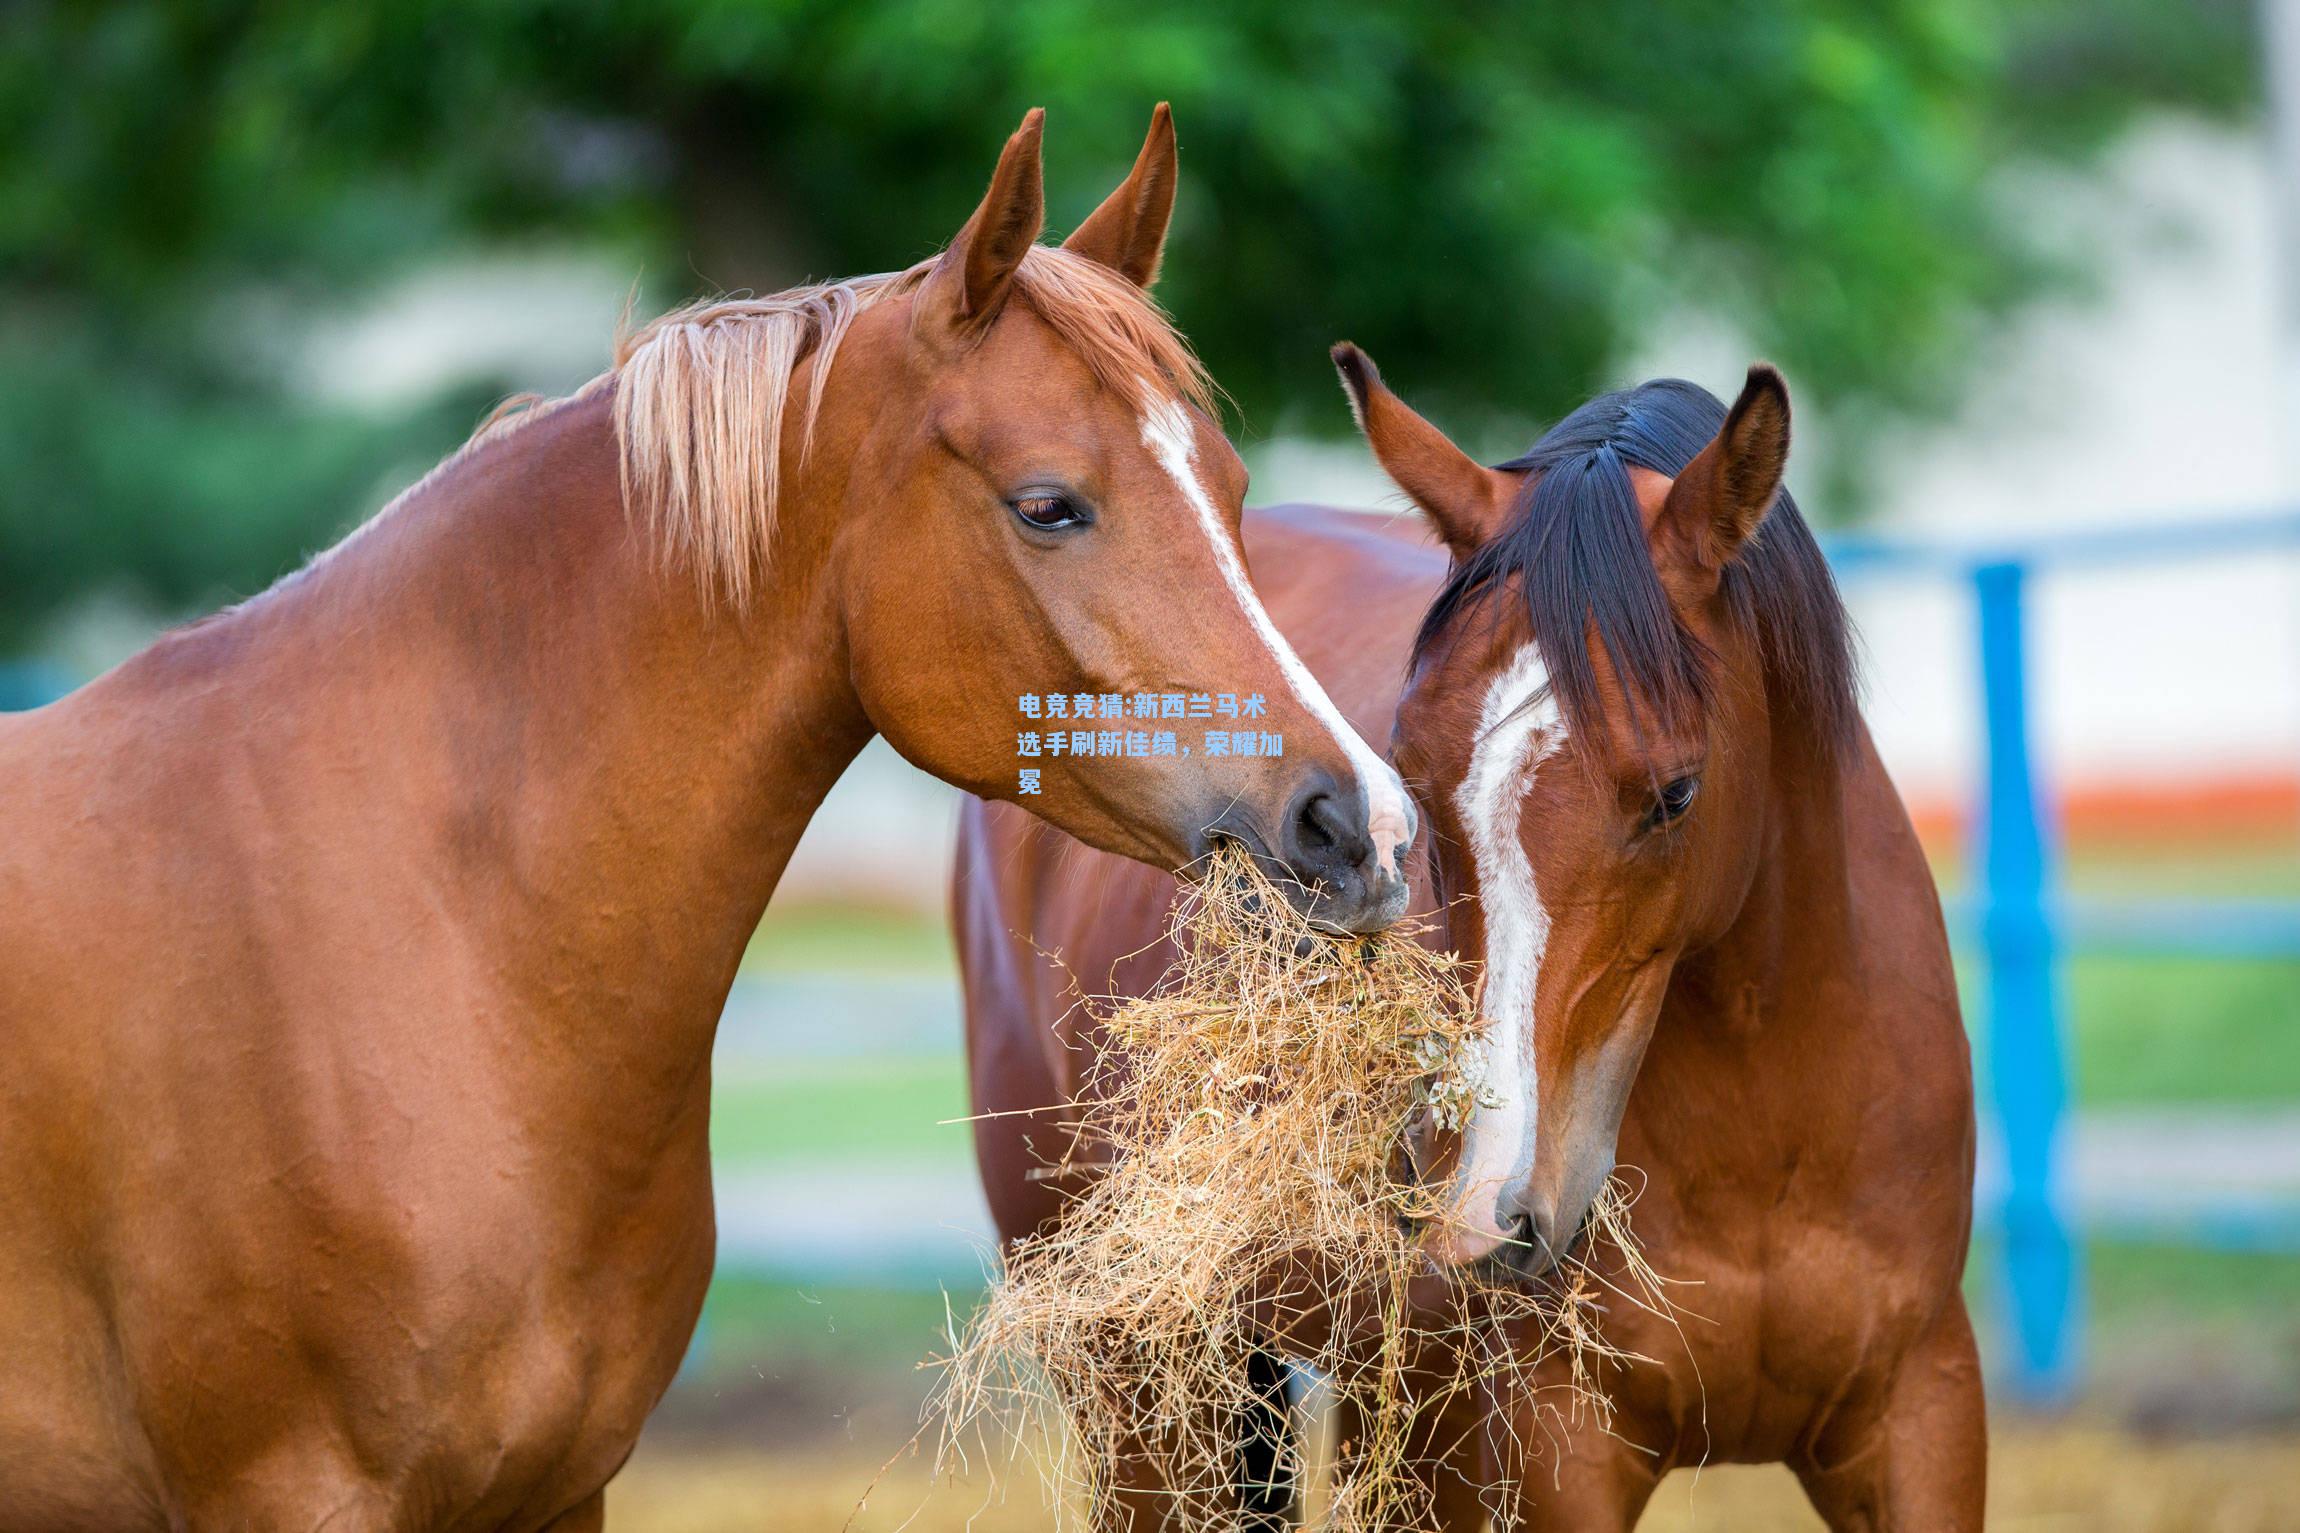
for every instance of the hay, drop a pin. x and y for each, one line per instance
(1252, 1112)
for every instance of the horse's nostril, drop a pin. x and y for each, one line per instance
(1326, 850)
(1529, 1250)
(1321, 825)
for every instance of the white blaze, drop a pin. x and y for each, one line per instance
(1168, 432)
(1519, 727)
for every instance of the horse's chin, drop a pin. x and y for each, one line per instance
(1454, 1246)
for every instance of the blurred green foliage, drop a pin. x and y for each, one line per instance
(1496, 199)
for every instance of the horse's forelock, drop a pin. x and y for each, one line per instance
(1575, 548)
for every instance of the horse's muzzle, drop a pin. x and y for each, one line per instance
(1323, 855)
(1539, 1240)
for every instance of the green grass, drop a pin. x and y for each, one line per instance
(894, 1109)
(2184, 1030)
(2129, 1284)
(2270, 868)
(2176, 1335)
(2161, 1031)
(2264, 868)
(859, 1329)
(2131, 1287)
(851, 939)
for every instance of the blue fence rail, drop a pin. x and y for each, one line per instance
(2025, 924)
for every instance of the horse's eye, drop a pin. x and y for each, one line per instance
(1672, 802)
(1048, 510)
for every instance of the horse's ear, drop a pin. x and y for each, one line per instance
(1128, 232)
(972, 278)
(1464, 499)
(1715, 506)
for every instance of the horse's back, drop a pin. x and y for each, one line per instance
(1044, 922)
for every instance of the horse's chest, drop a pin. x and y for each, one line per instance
(568, 1389)
(484, 1371)
(1779, 1326)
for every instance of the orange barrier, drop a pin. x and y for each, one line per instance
(2235, 809)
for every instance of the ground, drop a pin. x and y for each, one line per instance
(2072, 1477)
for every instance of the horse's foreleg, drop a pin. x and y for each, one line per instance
(1256, 1488)
(1922, 1460)
(1446, 1478)
(1575, 1482)
(1269, 1460)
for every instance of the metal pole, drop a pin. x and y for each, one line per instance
(2280, 53)
(2280, 37)
(2024, 1028)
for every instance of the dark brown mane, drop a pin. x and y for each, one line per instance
(1576, 547)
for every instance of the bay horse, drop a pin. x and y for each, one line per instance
(364, 944)
(1711, 950)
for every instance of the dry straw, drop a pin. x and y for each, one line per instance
(1247, 1122)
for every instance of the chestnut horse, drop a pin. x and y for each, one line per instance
(1710, 946)
(364, 944)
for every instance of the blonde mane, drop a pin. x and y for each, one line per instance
(701, 393)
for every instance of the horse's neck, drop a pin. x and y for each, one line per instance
(613, 771)
(1815, 1054)
(1793, 938)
